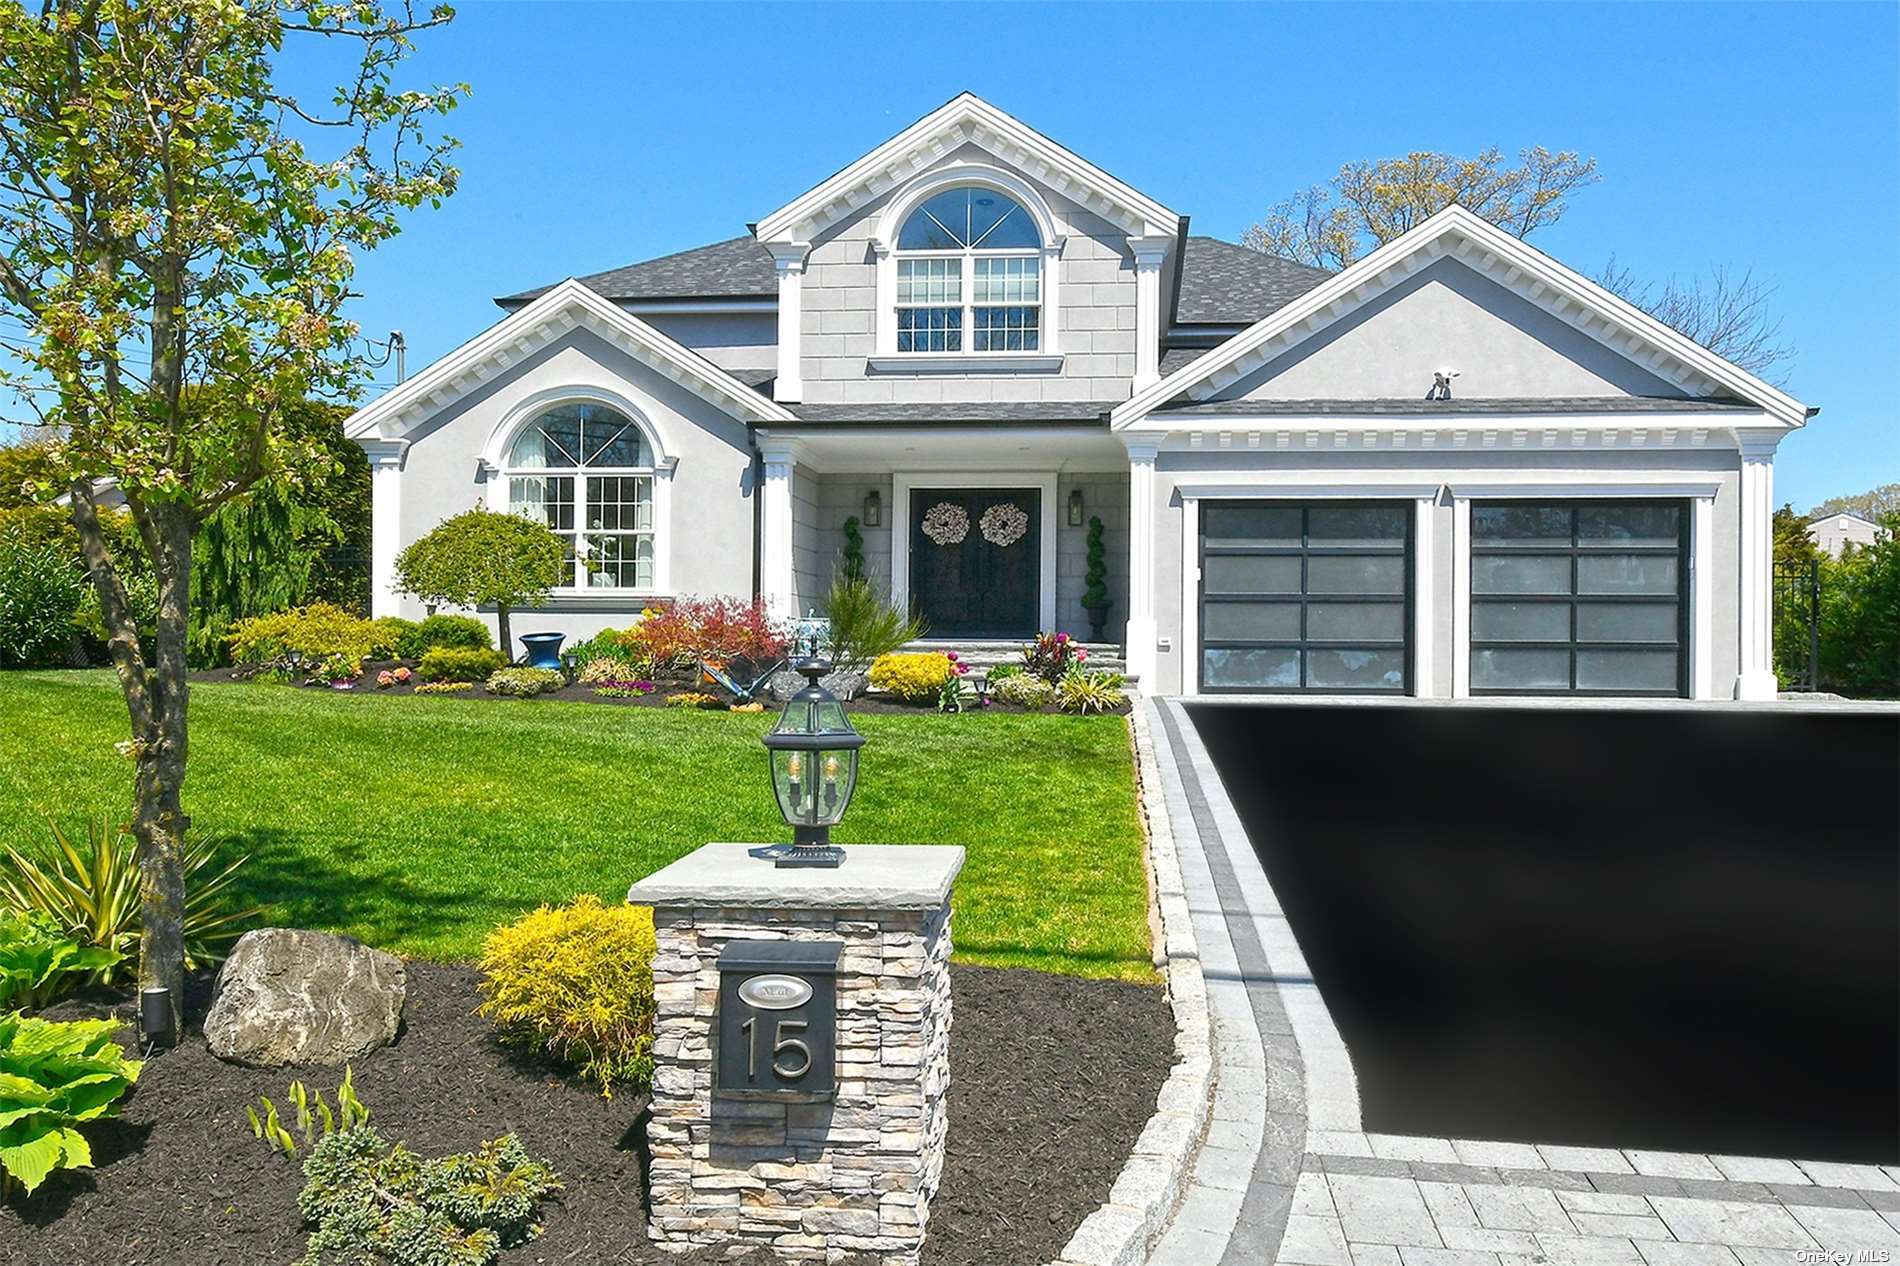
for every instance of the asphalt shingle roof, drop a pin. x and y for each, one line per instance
(1564, 404)
(1226, 284)
(737, 268)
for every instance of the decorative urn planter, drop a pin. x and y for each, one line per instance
(544, 649)
(1098, 620)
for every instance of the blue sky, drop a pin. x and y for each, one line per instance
(1752, 136)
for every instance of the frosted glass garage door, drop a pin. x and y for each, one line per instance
(1306, 597)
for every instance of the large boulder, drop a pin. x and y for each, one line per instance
(292, 997)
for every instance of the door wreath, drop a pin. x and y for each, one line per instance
(1003, 524)
(946, 524)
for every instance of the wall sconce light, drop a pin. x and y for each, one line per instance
(873, 508)
(1075, 507)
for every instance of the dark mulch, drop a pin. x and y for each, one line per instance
(1053, 1079)
(576, 693)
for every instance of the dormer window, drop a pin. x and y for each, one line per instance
(969, 275)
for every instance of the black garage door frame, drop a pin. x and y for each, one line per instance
(1407, 643)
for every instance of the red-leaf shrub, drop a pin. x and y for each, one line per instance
(717, 630)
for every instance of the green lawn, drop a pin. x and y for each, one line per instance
(417, 824)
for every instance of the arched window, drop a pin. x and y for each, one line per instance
(970, 259)
(587, 470)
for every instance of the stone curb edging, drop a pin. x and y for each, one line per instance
(1124, 1230)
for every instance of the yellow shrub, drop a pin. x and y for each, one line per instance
(914, 677)
(576, 982)
(303, 636)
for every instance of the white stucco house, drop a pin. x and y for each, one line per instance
(1833, 533)
(1456, 468)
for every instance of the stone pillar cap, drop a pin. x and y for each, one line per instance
(873, 877)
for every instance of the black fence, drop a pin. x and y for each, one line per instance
(1798, 625)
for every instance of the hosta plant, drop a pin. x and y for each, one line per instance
(368, 1202)
(38, 962)
(54, 1077)
(313, 1116)
(90, 890)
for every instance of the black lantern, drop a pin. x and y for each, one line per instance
(873, 508)
(1075, 507)
(814, 756)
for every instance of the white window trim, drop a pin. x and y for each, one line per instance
(1418, 636)
(1699, 494)
(884, 245)
(496, 472)
(904, 481)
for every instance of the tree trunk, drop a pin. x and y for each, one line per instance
(507, 637)
(159, 823)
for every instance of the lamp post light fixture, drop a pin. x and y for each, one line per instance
(814, 758)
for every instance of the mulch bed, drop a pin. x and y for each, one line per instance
(1053, 1078)
(573, 692)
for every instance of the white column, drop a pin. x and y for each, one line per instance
(1756, 680)
(775, 527)
(1149, 252)
(1460, 597)
(789, 259)
(1425, 592)
(1140, 638)
(1701, 600)
(385, 522)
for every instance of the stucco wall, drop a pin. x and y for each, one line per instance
(1096, 329)
(1466, 469)
(1447, 316)
(708, 536)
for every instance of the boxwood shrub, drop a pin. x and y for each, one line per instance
(460, 663)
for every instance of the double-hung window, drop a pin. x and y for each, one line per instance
(587, 472)
(969, 275)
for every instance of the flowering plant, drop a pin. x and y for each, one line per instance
(393, 677)
(1052, 655)
(338, 672)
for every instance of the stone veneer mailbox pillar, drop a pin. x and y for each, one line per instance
(760, 974)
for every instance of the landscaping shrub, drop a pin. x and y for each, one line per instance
(312, 1123)
(444, 687)
(709, 630)
(368, 1202)
(694, 699)
(39, 963)
(1052, 655)
(485, 558)
(623, 649)
(1085, 692)
(914, 676)
(1021, 689)
(39, 595)
(396, 638)
(398, 676)
(456, 663)
(302, 639)
(55, 1077)
(524, 682)
(91, 893)
(141, 598)
(600, 670)
(450, 630)
(863, 625)
(576, 982)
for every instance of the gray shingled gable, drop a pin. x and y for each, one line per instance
(737, 268)
(1226, 284)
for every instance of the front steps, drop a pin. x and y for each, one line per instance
(984, 654)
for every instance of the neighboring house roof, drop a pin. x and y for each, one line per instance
(965, 118)
(737, 268)
(1488, 250)
(1093, 412)
(1514, 405)
(533, 327)
(1226, 284)
(1843, 514)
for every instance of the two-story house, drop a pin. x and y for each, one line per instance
(1455, 468)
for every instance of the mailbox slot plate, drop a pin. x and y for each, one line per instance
(785, 1050)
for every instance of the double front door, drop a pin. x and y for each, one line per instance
(974, 560)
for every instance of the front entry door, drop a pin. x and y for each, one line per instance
(975, 560)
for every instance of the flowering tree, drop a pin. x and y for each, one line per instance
(172, 220)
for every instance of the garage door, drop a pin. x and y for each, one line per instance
(1306, 597)
(1580, 597)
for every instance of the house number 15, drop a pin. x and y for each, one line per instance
(781, 1047)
